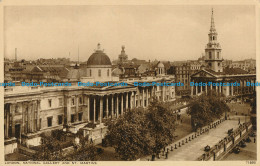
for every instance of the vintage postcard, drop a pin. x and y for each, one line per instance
(108, 82)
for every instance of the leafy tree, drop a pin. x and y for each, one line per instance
(206, 108)
(142, 131)
(50, 150)
(161, 124)
(129, 135)
(85, 151)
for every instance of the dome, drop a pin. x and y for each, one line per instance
(98, 58)
(160, 65)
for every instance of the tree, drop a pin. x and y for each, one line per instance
(50, 150)
(161, 124)
(129, 135)
(85, 151)
(141, 132)
(206, 108)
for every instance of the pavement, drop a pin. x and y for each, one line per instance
(193, 149)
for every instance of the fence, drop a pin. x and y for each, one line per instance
(227, 144)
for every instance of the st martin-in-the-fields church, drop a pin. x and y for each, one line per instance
(215, 72)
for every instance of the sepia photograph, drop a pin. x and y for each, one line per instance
(88, 83)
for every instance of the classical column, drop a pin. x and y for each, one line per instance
(101, 108)
(30, 118)
(220, 88)
(33, 116)
(206, 88)
(67, 108)
(77, 107)
(232, 90)
(143, 99)
(152, 91)
(107, 106)
(131, 100)
(126, 104)
(7, 120)
(112, 105)
(134, 102)
(216, 87)
(227, 90)
(191, 91)
(12, 111)
(147, 99)
(94, 119)
(122, 104)
(196, 90)
(117, 105)
(88, 98)
(211, 86)
(163, 93)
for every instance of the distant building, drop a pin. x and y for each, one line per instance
(122, 58)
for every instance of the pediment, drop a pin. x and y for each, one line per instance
(203, 73)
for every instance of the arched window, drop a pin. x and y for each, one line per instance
(107, 72)
(218, 55)
(99, 72)
(90, 73)
(213, 37)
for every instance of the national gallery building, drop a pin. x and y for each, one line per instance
(30, 111)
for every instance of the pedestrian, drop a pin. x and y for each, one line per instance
(166, 155)
(254, 139)
(238, 121)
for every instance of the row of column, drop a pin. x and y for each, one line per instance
(112, 105)
(226, 90)
(30, 122)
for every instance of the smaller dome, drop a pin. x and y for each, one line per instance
(98, 58)
(160, 65)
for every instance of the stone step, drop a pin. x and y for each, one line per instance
(26, 151)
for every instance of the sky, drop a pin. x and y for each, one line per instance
(172, 33)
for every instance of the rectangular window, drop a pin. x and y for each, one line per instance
(73, 101)
(80, 100)
(80, 116)
(60, 102)
(49, 101)
(49, 121)
(60, 119)
(72, 118)
(99, 73)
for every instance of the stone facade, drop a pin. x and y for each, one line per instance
(29, 111)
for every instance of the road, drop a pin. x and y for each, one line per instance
(195, 148)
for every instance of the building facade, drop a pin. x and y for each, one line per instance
(30, 111)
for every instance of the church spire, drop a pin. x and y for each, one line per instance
(212, 24)
(213, 49)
